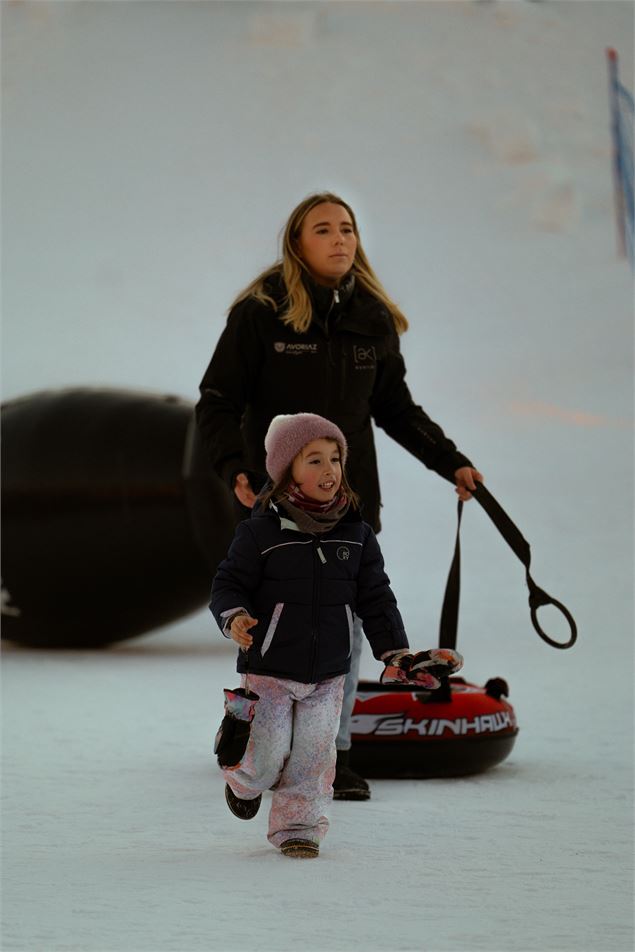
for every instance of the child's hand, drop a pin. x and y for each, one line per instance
(239, 630)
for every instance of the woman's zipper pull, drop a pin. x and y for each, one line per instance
(336, 296)
(321, 554)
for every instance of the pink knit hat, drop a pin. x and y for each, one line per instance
(288, 433)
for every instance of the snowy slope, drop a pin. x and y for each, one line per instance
(151, 151)
(117, 836)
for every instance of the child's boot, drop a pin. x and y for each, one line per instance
(300, 849)
(243, 809)
(348, 785)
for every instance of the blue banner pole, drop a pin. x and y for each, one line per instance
(618, 189)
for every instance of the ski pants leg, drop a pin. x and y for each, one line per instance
(343, 740)
(291, 746)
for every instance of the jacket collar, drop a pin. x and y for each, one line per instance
(354, 308)
(357, 311)
(277, 511)
(327, 300)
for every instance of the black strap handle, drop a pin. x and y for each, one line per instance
(520, 546)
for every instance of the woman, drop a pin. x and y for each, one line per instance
(317, 332)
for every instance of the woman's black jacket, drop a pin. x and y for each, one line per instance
(347, 367)
(304, 590)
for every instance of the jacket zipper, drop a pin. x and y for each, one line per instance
(319, 558)
(329, 348)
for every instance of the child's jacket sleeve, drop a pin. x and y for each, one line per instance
(376, 603)
(237, 577)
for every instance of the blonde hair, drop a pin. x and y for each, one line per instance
(291, 267)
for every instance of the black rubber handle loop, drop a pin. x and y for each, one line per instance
(536, 603)
(519, 545)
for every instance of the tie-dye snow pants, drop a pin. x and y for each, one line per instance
(292, 749)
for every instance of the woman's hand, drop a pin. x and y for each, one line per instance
(244, 492)
(239, 630)
(466, 478)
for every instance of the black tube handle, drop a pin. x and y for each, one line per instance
(538, 598)
(519, 545)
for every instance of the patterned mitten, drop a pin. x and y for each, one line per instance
(428, 666)
(397, 667)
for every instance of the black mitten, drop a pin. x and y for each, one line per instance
(231, 741)
(233, 734)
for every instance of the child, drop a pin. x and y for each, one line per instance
(296, 574)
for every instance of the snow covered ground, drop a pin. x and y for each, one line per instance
(151, 152)
(117, 836)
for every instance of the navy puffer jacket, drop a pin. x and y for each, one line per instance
(304, 590)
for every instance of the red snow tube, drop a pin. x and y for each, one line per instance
(399, 731)
(461, 729)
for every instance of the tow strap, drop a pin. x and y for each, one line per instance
(519, 545)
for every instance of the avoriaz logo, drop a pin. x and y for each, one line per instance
(281, 348)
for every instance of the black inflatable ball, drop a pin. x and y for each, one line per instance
(113, 522)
